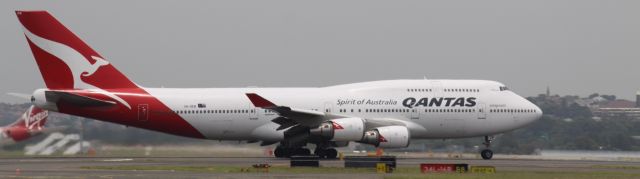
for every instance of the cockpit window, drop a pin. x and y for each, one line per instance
(503, 88)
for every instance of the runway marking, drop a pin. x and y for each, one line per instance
(118, 160)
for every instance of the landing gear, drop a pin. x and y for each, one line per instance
(302, 151)
(487, 154)
(330, 153)
(321, 153)
(282, 152)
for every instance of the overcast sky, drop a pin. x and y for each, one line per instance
(576, 47)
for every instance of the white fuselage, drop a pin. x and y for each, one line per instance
(227, 114)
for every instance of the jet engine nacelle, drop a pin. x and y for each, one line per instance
(343, 129)
(388, 137)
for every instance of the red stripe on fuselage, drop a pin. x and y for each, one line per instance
(160, 117)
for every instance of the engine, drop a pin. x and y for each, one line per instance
(343, 129)
(387, 137)
(17, 133)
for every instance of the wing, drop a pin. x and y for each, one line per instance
(298, 122)
(291, 116)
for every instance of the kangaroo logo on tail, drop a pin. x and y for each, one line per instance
(77, 63)
(94, 67)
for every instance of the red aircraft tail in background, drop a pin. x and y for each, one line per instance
(30, 124)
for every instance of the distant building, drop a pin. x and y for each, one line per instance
(618, 109)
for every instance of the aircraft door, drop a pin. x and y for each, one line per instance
(437, 88)
(143, 112)
(253, 114)
(482, 111)
(328, 107)
(415, 114)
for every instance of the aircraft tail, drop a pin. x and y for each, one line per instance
(33, 119)
(64, 60)
(29, 124)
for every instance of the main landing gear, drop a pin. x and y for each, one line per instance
(487, 154)
(283, 152)
(329, 153)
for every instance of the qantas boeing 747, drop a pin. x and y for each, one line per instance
(386, 114)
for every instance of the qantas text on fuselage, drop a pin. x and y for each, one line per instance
(385, 114)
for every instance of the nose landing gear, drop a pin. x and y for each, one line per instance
(487, 154)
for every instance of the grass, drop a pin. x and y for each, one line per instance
(399, 173)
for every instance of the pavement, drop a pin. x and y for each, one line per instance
(70, 167)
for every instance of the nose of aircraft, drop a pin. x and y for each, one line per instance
(529, 105)
(538, 111)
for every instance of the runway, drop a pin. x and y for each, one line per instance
(66, 167)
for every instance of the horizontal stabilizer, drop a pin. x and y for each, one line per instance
(20, 95)
(74, 99)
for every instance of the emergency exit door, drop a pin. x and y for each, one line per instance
(482, 111)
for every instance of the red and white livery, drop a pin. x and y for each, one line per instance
(80, 82)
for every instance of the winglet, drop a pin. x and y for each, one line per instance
(259, 101)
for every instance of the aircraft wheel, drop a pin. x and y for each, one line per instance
(331, 153)
(321, 153)
(280, 152)
(486, 154)
(303, 151)
(298, 151)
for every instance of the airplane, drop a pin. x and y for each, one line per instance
(385, 114)
(30, 124)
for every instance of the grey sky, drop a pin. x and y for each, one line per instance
(576, 47)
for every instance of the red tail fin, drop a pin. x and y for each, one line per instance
(33, 119)
(65, 61)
